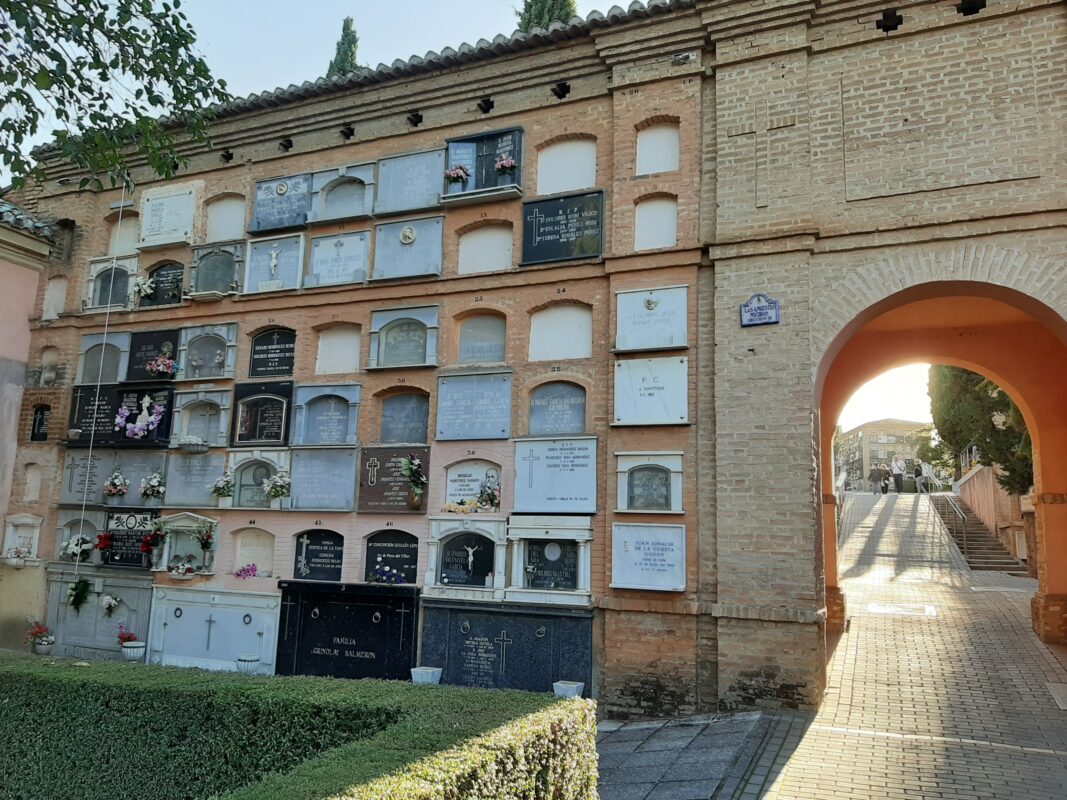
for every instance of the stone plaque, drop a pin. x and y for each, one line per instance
(350, 631)
(167, 216)
(93, 413)
(652, 391)
(84, 476)
(648, 488)
(383, 489)
(466, 560)
(556, 476)
(410, 182)
(338, 259)
(327, 420)
(759, 310)
(409, 248)
(274, 264)
(557, 408)
(281, 203)
(402, 343)
(508, 647)
(273, 353)
(127, 530)
(648, 557)
(248, 491)
(481, 340)
(563, 228)
(318, 556)
(464, 481)
(138, 466)
(652, 318)
(551, 564)
(262, 413)
(189, 476)
(474, 407)
(168, 280)
(146, 350)
(324, 479)
(394, 549)
(405, 418)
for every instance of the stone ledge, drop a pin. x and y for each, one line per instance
(767, 613)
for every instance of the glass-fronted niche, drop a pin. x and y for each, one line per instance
(484, 162)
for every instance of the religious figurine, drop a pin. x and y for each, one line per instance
(146, 413)
(274, 262)
(470, 556)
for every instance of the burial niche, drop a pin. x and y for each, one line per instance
(166, 285)
(561, 332)
(201, 421)
(261, 418)
(486, 249)
(656, 223)
(648, 488)
(206, 357)
(481, 340)
(467, 560)
(344, 198)
(249, 485)
(215, 271)
(327, 419)
(557, 408)
(657, 148)
(403, 343)
(101, 363)
(319, 554)
(39, 425)
(405, 418)
(566, 166)
(254, 548)
(225, 218)
(111, 287)
(392, 558)
(338, 350)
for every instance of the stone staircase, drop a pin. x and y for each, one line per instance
(980, 547)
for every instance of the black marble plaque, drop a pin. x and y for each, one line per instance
(563, 228)
(281, 203)
(648, 488)
(394, 549)
(318, 556)
(97, 417)
(127, 529)
(262, 413)
(507, 647)
(551, 564)
(382, 485)
(556, 409)
(145, 348)
(347, 630)
(168, 280)
(273, 354)
(466, 560)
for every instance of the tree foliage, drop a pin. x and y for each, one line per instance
(968, 409)
(344, 60)
(935, 451)
(116, 79)
(541, 13)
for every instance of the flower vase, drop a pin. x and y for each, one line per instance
(113, 499)
(276, 503)
(247, 663)
(42, 649)
(414, 500)
(133, 651)
(208, 561)
(152, 502)
(225, 502)
(157, 557)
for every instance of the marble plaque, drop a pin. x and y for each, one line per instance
(167, 216)
(327, 421)
(394, 549)
(563, 228)
(145, 348)
(474, 407)
(324, 479)
(648, 557)
(137, 466)
(652, 319)
(168, 280)
(480, 154)
(466, 560)
(262, 413)
(344, 258)
(557, 408)
(556, 476)
(84, 476)
(652, 391)
(410, 182)
(405, 418)
(281, 203)
(319, 555)
(93, 413)
(551, 564)
(273, 354)
(127, 529)
(274, 264)
(402, 343)
(481, 340)
(409, 248)
(464, 481)
(97, 417)
(189, 476)
(383, 489)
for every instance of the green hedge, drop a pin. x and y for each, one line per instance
(112, 731)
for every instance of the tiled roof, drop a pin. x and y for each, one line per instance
(19, 218)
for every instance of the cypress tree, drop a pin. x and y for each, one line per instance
(344, 61)
(541, 13)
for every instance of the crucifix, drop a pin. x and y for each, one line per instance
(402, 612)
(535, 220)
(503, 641)
(210, 622)
(72, 465)
(372, 471)
(531, 458)
(275, 338)
(302, 561)
(274, 261)
(759, 128)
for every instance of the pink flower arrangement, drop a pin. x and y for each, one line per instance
(161, 365)
(247, 571)
(457, 174)
(138, 430)
(505, 164)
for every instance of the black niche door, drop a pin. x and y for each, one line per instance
(466, 560)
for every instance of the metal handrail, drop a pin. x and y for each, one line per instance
(957, 513)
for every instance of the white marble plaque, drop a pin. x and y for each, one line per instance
(648, 557)
(652, 319)
(410, 182)
(464, 481)
(338, 259)
(324, 479)
(652, 391)
(274, 264)
(190, 476)
(556, 476)
(409, 248)
(167, 216)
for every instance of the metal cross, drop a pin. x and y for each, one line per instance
(372, 471)
(503, 641)
(210, 622)
(287, 604)
(531, 458)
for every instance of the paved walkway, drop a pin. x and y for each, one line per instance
(938, 689)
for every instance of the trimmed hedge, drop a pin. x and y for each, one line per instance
(114, 731)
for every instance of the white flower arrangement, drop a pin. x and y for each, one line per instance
(277, 485)
(109, 603)
(76, 546)
(144, 286)
(190, 440)
(223, 486)
(153, 486)
(17, 552)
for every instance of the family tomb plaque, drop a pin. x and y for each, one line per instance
(402, 343)
(474, 407)
(94, 415)
(466, 560)
(281, 203)
(464, 481)
(167, 216)
(648, 557)
(274, 264)
(190, 476)
(410, 182)
(324, 479)
(150, 352)
(397, 550)
(273, 354)
(408, 249)
(405, 418)
(652, 319)
(551, 564)
(557, 409)
(84, 476)
(383, 489)
(327, 420)
(563, 228)
(262, 413)
(555, 476)
(127, 530)
(137, 466)
(338, 259)
(652, 391)
(167, 291)
(318, 556)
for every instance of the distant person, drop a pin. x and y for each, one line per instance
(885, 478)
(875, 478)
(898, 468)
(920, 476)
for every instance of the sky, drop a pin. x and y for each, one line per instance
(899, 393)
